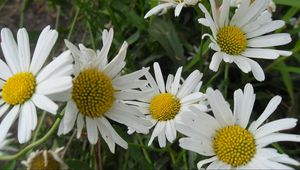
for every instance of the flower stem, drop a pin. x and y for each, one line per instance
(36, 143)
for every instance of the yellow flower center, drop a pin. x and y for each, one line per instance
(232, 40)
(93, 93)
(19, 88)
(164, 107)
(234, 145)
(39, 162)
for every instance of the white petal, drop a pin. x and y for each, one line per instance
(10, 49)
(224, 14)
(178, 9)
(240, 12)
(162, 139)
(238, 98)
(92, 131)
(134, 76)
(270, 40)
(260, 53)
(61, 61)
(8, 121)
(159, 77)
(257, 71)
(54, 85)
(44, 45)
(275, 126)
(107, 38)
(33, 115)
(44, 103)
(200, 145)
(192, 98)
(176, 83)
(25, 123)
(160, 126)
(206, 161)
(277, 137)
(242, 63)
(212, 24)
(106, 135)
(116, 62)
(271, 107)
(24, 49)
(70, 116)
(215, 62)
(220, 107)
(160, 9)
(170, 79)
(189, 84)
(133, 94)
(170, 129)
(5, 72)
(269, 27)
(3, 109)
(80, 123)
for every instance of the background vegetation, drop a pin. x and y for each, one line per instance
(172, 42)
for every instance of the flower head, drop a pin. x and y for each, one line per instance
(99, 92)
(45, 160)
(243, 37)
(25, 85)
(167, 4)
(166, 103)
(230, 140)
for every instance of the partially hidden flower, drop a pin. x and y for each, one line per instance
(230, 140)
(25, 85)
(271, 6)
(98, 94)
(168, 101)
(245, 36)
(164, 5)
(5, 145)
(45, 160)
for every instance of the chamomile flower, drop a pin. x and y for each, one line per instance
(243, 37)
(44, 160)
(166, 103)
(98, 93)
(167, 4)
(271, 6)
(25, 85)
(230, 140)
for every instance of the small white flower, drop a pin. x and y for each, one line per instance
(25, 85)
(167, 4)
(45, 159)
(166, 103)
(99, 91)
(271, 6)
(243, 37)
(230, 140)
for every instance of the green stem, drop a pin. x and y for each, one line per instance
(226, 79)
(22, 13)
(91, 35)
(147, 157)
(36, 143)
(73, 23)
(57, 17)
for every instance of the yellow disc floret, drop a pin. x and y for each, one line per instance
(232, 40)
(19, 88)
(93, 93)
(44, 161)
(164, 107)
(234, 145)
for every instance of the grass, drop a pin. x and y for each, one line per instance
(172, 42)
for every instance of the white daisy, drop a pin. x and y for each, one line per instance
(242, 37)
(228, 139)
(99, 92)
(45, 159)
(25, 85)
(271, 6)
(164, 5)
(166, 103)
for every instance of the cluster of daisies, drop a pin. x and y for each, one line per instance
(98, 93)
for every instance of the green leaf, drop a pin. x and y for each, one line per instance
(77, 165)
(286, 79)
(9, 166)
(294, 3)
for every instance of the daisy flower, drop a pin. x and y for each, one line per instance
(271, 6)
(229, 139)
(99, 92)
(164, 5)
(242, 38)
(25, 85)
(45, 159)
(167, 102)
